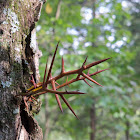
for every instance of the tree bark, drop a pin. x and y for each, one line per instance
(92, 121)
(19, 57)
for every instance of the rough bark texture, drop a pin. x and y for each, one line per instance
(19, 57)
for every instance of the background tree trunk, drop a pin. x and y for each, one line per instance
(19, 57)
(127, 130)
(93, 121)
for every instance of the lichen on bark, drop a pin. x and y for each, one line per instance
(18, 57)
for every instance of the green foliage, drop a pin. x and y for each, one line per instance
(116, 102)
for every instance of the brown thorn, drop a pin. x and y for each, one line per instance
(64, 99)
(63, 69)
(62, 92)
(85, 61)
(78, 76)
(50, 69)
(95, 73)
(59, 103)
(89, 78)
(74, 92)
(45, 73)
(81, 69)
(95, 63)
(87, 83)
(57, 97)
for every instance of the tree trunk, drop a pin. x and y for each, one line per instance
(19, 57)
(127, 130)
(92, 121)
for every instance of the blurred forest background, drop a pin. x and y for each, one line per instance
(98, 29)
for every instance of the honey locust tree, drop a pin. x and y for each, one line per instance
(19, 57)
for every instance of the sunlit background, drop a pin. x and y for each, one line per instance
(98, 29)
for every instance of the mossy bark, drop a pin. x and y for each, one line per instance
(19, 56)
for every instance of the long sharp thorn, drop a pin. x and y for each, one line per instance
(57, 97)
(59, 92)
(97, 72)
(63, 92)
(63, 69)
(45, 73)
(82, 68)
(96, 63)
(73, 92)
(59, 103)
(64, 99)
(50, 69)
(85, 61)
(89, 78)
(87, 83)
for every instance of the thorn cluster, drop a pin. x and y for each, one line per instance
(42, 87)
